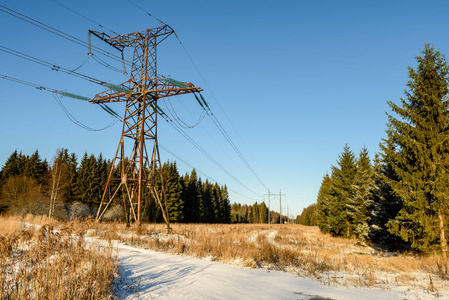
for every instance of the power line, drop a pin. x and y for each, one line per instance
(139, 7)
(58, 32)
(105, 64)
(107, 54)
(54, 67)
(55, 94)
(211, 115)
(178, 120)
(75, 121)
(97, 59)
(79, 14)
(194, 143)
(199, 171)
(228, 138)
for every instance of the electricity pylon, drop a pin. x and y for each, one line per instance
(141, 94)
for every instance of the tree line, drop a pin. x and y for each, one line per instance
(256, 213)
(401, 198)
(67, 189)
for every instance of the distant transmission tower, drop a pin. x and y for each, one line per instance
(137, 172)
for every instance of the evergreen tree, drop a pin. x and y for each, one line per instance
(236, 216)
(225, 205)
(173, 192)
(191, 197)
(12, 166)
(35, 167)
(359, 205)
(308, 216)
(323, 205)
(341, 191)
(255, 213)
(217, 203)
(386, 205)
(91, 179)
(208, 203)
(263, 213)
(69, 176)
(20, 165)
(418, 144)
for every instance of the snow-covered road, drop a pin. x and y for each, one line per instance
(157, 275)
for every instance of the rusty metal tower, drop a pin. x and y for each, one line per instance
(141, 94)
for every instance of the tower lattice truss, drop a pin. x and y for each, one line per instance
(134, 175)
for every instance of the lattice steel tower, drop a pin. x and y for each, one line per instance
(141, 93)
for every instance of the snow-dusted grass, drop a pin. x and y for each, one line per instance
(37, 262)
(295, 249)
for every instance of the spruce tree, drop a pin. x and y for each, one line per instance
(263, 213)
(89, 180)
(217, 204)
(12, 166)
(308, 216)
(207, 203)
(418, 144)
(359, 205)
(225, 204)
(71, 164)
(340, 192)
(191, 197)
(386, 205)
(323, 205)
(35, 167)
(173, 192)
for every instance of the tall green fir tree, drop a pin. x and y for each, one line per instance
(192, 198)
(385, 206)
(173, 192)
(35, 167)
(418, 146)
(12, 167)
(341, 191)
(225, 204)
(208, 203)
(90, 179)
(263, 213)
(323, 205)
(360, 204)
(308, 216)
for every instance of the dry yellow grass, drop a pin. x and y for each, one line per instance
(37, 262)
(293, 248)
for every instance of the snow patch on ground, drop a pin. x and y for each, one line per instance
(153, 275)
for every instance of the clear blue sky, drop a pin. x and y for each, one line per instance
(290, 81)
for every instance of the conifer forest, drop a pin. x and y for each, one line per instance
(30, 183)
(398, 200)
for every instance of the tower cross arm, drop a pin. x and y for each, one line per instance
(116, 93)
(159, 88)
(119, 42)
(165, 89)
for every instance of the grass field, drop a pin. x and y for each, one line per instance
(47, 262)
(296, 249)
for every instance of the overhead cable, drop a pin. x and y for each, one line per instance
(196, 145)
(212, 116)
(176, 117)
(67, 94)
(83, 16)
(58, 32)
(75, 121)
(64, 70)
(199, 171)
